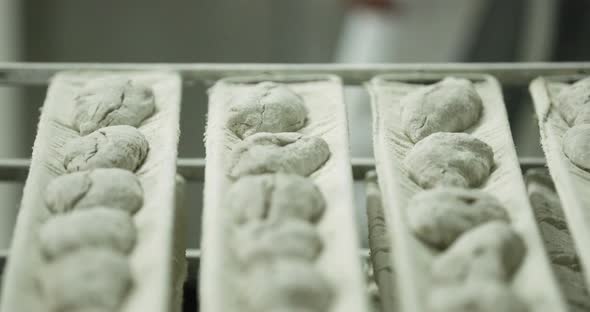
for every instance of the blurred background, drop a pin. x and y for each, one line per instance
(277, 31)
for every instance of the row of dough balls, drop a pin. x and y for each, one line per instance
(272, 206)
(574, 106)
(481, 252)
(91, 231)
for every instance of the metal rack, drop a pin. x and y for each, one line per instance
(512, 74)
(192, 169)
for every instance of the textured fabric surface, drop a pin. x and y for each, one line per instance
(412, 258)
(154, 221)
(571, 182)
(339, 262)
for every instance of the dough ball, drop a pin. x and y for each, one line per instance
(439, 216)
(574, 103)
(114, 188)
(88, 280)
(286, 286)
(122, 147)
(480, 296)
(96, 227)
(450, 159)
(266, 107)
(112, 101)
(576, 145)
(286, 152)
(451, 105)
(492, 251)
(274, 197)
(258, 242)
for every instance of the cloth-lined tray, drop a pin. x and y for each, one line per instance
(534, 282)
(338, 263)
(572, 183)
(153, 255)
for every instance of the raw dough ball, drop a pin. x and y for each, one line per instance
(286, 152)
(122, 147)
(451, 105)
(441, 215)
(96, 227)
(450, 159)
(275, 197)
(574, 102)
(92, 278)
(576, 145)
(491, 251)
(112, 101)
(114, 188)
(480, 296)
(285, 285)
(266, 107)
(258, 242)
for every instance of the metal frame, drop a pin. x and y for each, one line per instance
(352, 74)
(192, 169)
(28, 74)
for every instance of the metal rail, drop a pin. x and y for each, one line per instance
(355, 74)
(193, 169)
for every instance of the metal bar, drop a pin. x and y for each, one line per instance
(507, 73)
(527, 163)
(193, 169)
(192, 255)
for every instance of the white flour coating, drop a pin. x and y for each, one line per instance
(439, 216)
(256, 243)
(114, 188)
(111, 101)
(492, 251)
(122, 147)
(286, 152)
(266, 107)
(476, 296)
(576, 145)
(450, 159)
(96, 227)
(90, 279)
(274, 197)
(286, 285)
(451, 105)
(574, 102)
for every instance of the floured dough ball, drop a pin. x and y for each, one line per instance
(439, 216)
(286, 152)
(574, 103)
(491, 251)
(450, 159)
(92, 278)
(274, 197)
(451, 105)
(122, 147)
(111, 101)
(266, 107)
(258, 242)
(96, 227)
(477, 296)
(286, 286)
(576, 145)
(114, 188)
